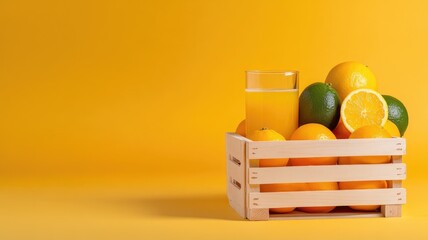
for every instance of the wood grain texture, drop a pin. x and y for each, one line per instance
(327, 173)
(244, 177)
(236, 173)
(258, 214)
(393, 210)
(253, 213)
(330, 215)
(316, 148)
(328, 198)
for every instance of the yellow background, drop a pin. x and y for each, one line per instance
(113, 113)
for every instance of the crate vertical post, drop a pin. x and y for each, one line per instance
(393, 210)
(253, 213)
(236, 172)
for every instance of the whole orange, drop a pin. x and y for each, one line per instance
(266, 134)
(320, 186)
(349, 76)
(283, 187)
(241, 128)
(363, 185)
(369, 131)
(341, 132)
(313, 131)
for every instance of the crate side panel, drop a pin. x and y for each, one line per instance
(235, 172)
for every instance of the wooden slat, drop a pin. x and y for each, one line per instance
(327, 173)
(258, 214)
(317, 148)
(236, 172)
(235, 144)
(303, 215)
(327, 198)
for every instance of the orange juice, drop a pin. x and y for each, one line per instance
(276, 109)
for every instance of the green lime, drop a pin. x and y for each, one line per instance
(397, 113)
(319, 103)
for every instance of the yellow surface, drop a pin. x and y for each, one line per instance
(192, 207)
(113, 113)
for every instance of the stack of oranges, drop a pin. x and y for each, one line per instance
(346, 105)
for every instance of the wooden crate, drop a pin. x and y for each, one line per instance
(244, 177)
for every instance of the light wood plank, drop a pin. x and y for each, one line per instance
(302, 215)
(327, 173)
(235, 144)
(328, 198)
(317, 148)
(258, 214)
(253, 213)
(393, 210)
(236, 172)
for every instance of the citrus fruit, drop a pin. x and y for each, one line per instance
(319, 103)
(265, 134)
(341, 132)
(312, 131)
(363, 107)
(349, 76)
(370, 131)
(363, 185)
(392, 129)
(283, 187)
(320, 186)
(241, 128)
(397, 113)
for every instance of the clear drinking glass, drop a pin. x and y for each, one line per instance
(272, 101)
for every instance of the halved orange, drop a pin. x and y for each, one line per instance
(363, 107)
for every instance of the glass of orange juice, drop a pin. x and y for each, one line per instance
(272, 101)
